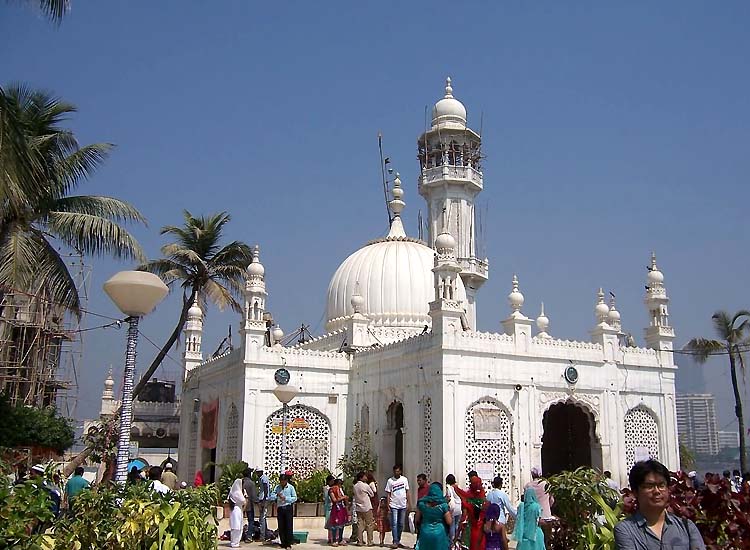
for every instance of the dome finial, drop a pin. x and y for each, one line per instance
(357, 299)
(542, 323)
(397, 205)
(256, 269)
(448, 88)
(601, 310)
(515, 298)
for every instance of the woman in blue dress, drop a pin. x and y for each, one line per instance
(527, 531)
(434, 517)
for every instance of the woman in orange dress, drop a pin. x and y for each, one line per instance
(472, 502)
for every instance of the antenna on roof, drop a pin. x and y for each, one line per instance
(383, 162)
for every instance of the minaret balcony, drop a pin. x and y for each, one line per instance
(474, 267)
(449, 173)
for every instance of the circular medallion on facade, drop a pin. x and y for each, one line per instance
(571, 375)
(281, 376)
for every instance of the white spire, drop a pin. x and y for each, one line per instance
(109, 384)
(516, 299)
(448, 88)
(277, 335)
(601, 311)
(613, 318)
(397, 205)
(357, 300)
(542, 323)
(256, 270)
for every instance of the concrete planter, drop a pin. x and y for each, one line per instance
(306, 509)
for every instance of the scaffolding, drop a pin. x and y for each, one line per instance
(41, 345)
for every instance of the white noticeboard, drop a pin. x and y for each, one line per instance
(485, 470)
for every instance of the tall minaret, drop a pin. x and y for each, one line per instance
(450, 179)
(253, 328)
(193, 336)
(659, 334)
(108, 396)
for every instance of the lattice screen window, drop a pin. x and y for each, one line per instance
(231, 435)
(489, 441)
(641, 435)
(427, 431)
(308, 441)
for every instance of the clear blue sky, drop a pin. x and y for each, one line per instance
(610, 129)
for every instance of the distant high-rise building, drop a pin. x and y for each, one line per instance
(696, 422)
(729, 439)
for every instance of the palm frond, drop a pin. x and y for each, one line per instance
(722, 324)
(167, 270)
(703, 348)
(27, 261)
(105, 207)
(79, 165)
(220, 296)
(236, 252)
(94, 235)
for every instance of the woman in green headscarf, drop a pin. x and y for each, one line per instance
(527, 531)
(434, 517)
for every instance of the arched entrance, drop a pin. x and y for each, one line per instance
(569, 439)
(395, 417)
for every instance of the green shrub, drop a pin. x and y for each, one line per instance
(134, 517)
(588, 510)
(310, 489)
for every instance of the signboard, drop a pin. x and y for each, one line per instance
(297, 423)
(485, 470)
(487, 424)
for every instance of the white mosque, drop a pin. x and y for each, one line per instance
(403, 358)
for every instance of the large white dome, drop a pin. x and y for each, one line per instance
(395, 280)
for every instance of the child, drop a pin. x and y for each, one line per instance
(495, 536)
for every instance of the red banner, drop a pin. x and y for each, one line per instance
(209, 424)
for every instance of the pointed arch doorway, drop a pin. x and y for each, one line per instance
(569, 439)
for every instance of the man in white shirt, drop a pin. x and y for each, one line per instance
(363, 506)
(154, 474)
(397, 490)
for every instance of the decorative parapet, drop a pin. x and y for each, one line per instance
(405, 343)
(641, 357)
(326, 342)
(281, 351)
(570, 344)
(477, 335)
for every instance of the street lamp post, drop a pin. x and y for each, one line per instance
(136, 294)
(284, 394)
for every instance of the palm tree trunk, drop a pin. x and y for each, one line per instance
(738, 409)
(76, 461)
(167, 346)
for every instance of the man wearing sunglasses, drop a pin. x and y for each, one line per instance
(652, 527)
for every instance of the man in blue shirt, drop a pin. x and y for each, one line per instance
(264, 494)
(497, 496)
(285, 496)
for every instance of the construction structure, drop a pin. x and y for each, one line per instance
(41, 344)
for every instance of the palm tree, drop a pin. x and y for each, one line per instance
(732, 332)
(203, 269)
(41, 163)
